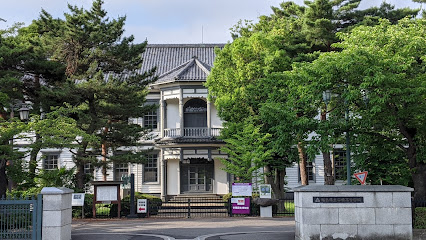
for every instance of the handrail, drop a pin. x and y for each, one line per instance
(199, 132)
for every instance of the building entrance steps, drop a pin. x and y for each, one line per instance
(194, 205)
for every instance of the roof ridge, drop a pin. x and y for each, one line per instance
(186, 45)
(185, 68)
(200, 64)
(176, 68)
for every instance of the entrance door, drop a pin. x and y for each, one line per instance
(197, 178)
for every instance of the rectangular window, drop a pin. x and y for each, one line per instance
(150, 169)
(310, 170)
(339, 162)
(88, 168)
(51, 161)
(120, 169)
(150, 120)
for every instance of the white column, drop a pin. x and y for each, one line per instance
(163, 180)
(209, 122)
(57, 213)
(162, 115)
(181, 111)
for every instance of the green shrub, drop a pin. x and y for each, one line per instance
(88, 201)
(154, 202)
(420, 218)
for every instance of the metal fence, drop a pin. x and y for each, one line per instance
(190, 208)
(21, 218)
(183, 207)
(419, 213)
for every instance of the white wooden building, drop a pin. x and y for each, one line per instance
(185, 148)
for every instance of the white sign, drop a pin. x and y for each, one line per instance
(142, 206)
(77, 199)
(241, 189)
(265, 190)
(106, 193)
(238, 201)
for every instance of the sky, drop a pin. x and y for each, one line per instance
(165, 21)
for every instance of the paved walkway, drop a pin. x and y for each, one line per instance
(249, 228)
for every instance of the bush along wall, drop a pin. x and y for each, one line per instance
(111, 210)
(153, 204)
(420, 218)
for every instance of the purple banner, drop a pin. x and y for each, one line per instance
(240, 205)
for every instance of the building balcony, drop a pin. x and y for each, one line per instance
(191, 132)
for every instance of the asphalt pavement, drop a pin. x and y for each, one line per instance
(241, 228)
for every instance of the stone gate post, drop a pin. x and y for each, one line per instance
(57, 213)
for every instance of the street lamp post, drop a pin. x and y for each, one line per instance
(24, 113)
(326, 96)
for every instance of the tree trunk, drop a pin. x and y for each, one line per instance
(3, 178)
(32, 165)
(104, 155)
(419, 178)
(277, 184)
(328, 165)
(302, 164)
(79, 175)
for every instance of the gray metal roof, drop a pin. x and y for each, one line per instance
(180, 62)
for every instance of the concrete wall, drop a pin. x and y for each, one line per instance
(385, 213)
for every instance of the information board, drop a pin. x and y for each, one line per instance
(241, 189)
(142, 206)
(265, 191)
(106, 193)
(77, 199)
(240, 205)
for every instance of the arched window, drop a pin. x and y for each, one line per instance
(195, 113)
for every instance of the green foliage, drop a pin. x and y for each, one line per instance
(420, 216)
(154, 202)
(246, 151)
(103, 78)
(88, 207)
(385, 63)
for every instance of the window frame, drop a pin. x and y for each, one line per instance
(145, 167)
(118, 167)
(46, 156)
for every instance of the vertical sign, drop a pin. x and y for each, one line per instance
(142, 206)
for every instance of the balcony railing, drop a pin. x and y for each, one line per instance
(192, 132)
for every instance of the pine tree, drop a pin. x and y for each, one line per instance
(102, 69)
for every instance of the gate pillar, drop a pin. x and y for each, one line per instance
(57, 213)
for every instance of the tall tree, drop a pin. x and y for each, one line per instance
(386, 63)
(103, 73)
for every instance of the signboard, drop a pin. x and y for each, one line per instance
(77, 200)
(361, 176)
(240, 205)
(126, 182)
(265, 191)
(106, 193)
(142, 206)
(338, 199)
(241, 189)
